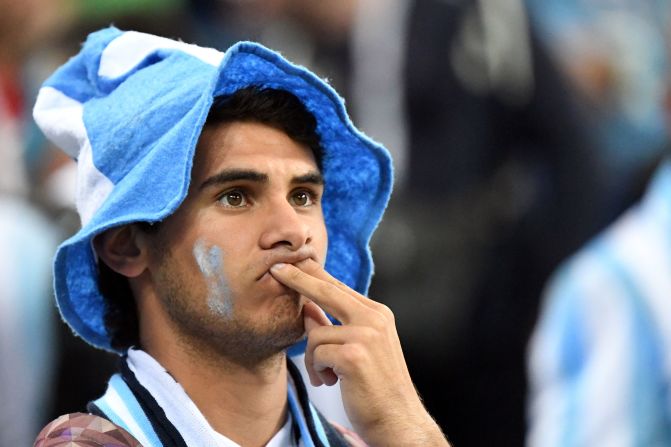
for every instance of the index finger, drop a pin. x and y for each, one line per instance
(313, 268)
(327, 295)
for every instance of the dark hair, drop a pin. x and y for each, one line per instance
(276, 108)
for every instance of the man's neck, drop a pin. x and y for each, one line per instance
(246, 404)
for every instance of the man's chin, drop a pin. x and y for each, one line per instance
(248, 338)
(290, 333)
(248, 347)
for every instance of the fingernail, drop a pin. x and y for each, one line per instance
(277, 266)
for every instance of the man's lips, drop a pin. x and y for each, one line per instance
(287, 257)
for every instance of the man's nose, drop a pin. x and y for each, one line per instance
(284, 226)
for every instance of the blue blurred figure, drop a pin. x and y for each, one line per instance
(599, 359)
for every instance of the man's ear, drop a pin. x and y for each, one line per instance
(123, 249)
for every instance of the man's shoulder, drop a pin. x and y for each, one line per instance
(617, 260)
(87, 429)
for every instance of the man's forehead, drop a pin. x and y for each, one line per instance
(254, 146)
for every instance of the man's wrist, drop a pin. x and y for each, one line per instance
(413, 429)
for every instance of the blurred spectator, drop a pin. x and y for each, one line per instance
(599, 359)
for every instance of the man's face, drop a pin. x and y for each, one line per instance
(253, 201)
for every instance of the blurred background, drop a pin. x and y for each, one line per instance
(519, 130)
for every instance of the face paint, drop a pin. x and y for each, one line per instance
(210, 263)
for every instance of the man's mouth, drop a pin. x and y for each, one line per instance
(287, 257)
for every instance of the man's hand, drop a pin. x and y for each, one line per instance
(364, 354)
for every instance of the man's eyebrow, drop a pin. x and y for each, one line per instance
(233, 175)
(311, 177)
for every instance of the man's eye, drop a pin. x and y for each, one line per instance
(233, 199)
(302, 198)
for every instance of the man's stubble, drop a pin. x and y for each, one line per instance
(243, 339)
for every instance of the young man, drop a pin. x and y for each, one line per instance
(219, 193)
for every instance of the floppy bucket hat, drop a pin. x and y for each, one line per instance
(130, 108)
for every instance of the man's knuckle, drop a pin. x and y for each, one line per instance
(383, 309)
(387, 312)
(317, 336)
(379, 322)
(352, 355)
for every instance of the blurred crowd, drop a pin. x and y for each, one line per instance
(520, 129)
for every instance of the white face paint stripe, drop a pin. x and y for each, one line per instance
(126, 51)
(61, 119)
(93, 187)
(210, 262)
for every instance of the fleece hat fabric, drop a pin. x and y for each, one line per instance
(130, 108)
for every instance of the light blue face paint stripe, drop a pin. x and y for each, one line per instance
(649, 408)
(297, 414)
(117, 384)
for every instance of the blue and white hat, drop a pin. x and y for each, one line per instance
(130, 108)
